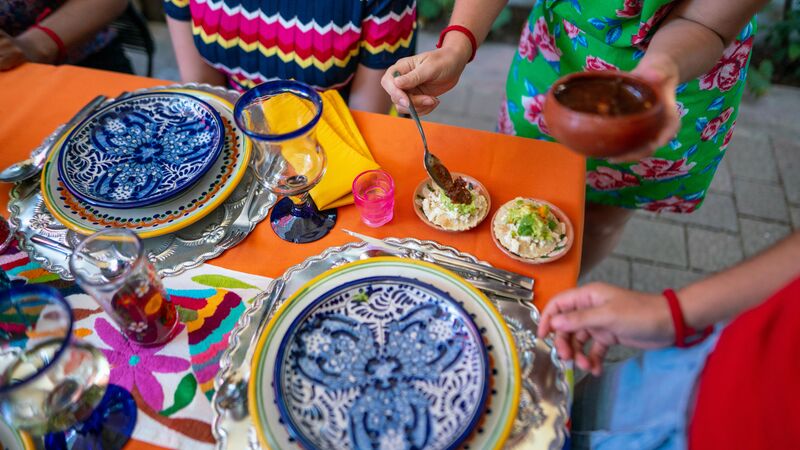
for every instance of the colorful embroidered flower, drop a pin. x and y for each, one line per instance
(607, 179)
(545, 42)
(572, 30)
(672, 204)
(642, 35)
(134, 365)
(728, 137)
(727, 71)
(595, 63)
(712, 128)
(661, 169)
(527, 48)
(632, 8)
(504, 123)
(533, 111)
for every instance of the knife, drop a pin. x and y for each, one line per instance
(454, 263)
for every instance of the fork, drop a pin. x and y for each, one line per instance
(241, 225)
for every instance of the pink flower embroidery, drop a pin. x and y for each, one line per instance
(504, 123)
(673, 204)
(728, 69)
(527, 48)
(661, 169)
(607, 179)
(632, 8)
(640, 37)
(533, 111)
(134, 365)
(712, 128)
(595, 63)
(728, 136)
(571, 29)
(545, 42)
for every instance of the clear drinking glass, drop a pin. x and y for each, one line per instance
(50, 383)
(373, 193)
(281, 118)
(110, 265)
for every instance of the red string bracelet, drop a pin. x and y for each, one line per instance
(62, 49)
(684, 336)
(466, 33)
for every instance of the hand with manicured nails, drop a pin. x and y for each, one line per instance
(602, 315)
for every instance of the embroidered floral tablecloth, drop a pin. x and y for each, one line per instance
(172, 384)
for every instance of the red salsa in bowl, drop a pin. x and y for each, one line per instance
(604, 114)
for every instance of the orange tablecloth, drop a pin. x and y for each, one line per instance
(34, 99)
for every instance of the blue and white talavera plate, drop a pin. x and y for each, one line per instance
(385, 354)
(388, 353)
(141, 150)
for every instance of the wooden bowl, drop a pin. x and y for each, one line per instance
(552, 256)
(427, 184)
(634, 112)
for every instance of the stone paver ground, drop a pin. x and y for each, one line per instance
(753, 201)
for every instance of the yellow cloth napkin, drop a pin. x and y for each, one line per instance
(347, 152)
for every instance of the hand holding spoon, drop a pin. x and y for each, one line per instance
(457, 192)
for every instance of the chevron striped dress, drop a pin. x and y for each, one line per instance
(318, 42)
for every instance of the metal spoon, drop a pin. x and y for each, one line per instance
(28, 168)
(232, 394)
(436, 170)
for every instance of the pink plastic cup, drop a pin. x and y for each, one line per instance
(373, 192)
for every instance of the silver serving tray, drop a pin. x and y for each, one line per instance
(542, 417)
(172, 253)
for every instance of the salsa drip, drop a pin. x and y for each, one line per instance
(458, 192)
(606, 96)
(455, 189)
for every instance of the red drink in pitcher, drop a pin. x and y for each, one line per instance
(147, 312)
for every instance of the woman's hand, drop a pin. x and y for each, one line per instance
(11, 55)
(663, 73)
(605, 315)
(427, 75)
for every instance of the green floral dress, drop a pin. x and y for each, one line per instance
(564, 36)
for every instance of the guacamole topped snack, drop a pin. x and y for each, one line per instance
(529, 228)
(443, 212)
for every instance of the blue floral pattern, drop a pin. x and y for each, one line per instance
(386, 364)
(141, 150)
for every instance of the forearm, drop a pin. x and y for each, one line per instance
(478, 17)
(366, 93)
(191, 65)
(74, 22)
(729, 293)
(696, 32)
